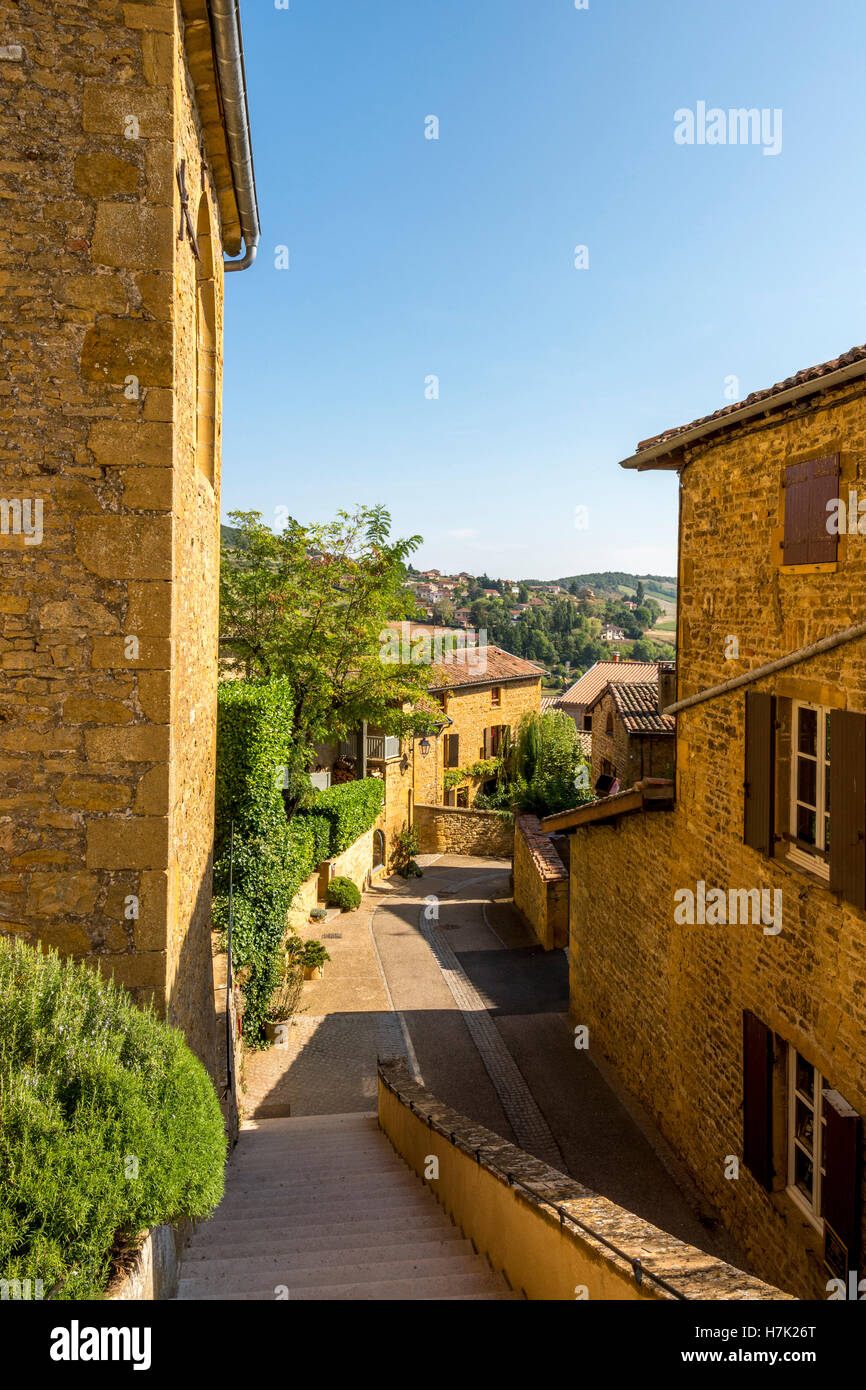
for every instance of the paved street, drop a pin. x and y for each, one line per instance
(441, 970)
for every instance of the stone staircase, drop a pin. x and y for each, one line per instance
(321, 1207)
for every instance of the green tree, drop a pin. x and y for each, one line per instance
(313, 604)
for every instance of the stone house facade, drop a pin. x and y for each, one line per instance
(477, 703)
(125, 187)
(631, 737)
(718, 946)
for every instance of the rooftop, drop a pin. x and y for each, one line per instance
(637, 703)
(656, 452)
(593, 681)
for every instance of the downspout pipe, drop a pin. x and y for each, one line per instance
(825, 644)
(229, 51)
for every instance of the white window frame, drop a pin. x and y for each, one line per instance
(811, 1210)
(799, 856)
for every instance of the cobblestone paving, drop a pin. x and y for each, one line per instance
(524, 1116)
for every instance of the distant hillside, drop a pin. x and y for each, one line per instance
(230, 535)
(614, 581)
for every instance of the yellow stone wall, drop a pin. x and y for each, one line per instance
(108, 645)
(472, 711)
(540, 884)
(633, 757)
(664, 1002)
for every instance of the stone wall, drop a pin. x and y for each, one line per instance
(108, 644)
(664, 1002)
(462, 830)
(523, 1215)
(540, 883)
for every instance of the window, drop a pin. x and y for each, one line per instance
(806, 1129)
(808, 488)
(608, 725)
(496, 696)
(378, 849)
(494, 740)
(810, 787)
(587, 723)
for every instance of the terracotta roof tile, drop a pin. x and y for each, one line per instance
(593, 681)
(482, 666)
(548, 863)
(638, 707)
(855, 354)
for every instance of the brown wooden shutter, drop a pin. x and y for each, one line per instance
(848, 805)
(452, 758)
(488, 742)
(760, 771)
(808, 488)
(758, 1099)
(841, 1177)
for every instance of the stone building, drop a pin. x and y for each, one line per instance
(631, 737)
(128, 177)
(718, 945)
(579, 697)
(480, 699)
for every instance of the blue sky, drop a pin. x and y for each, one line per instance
(454, 257)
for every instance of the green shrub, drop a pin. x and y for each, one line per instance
(254, 727)
(314, 955)
(342, 892)
(90, 1086)
(349, 808)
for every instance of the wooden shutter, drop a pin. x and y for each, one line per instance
(841, 1176)
(758, 1099)
(848, 805)
(452, 758)
(808, 489)
(488, 742)
(760, 772)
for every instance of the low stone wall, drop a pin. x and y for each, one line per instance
(463, 830)
(355, 863)
(153, 1273)
(508, 1204)
(540, 883)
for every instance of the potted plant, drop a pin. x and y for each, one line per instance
(318, 914)
(313, 959)
(343, 893)
(284, 1001)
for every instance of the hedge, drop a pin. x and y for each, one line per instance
(110, 1125)
(349, 808)
(254, 739)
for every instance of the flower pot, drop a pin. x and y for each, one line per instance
(313, 972)
(276, 1030)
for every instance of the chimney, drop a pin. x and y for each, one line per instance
(667, 684)
(615, 656)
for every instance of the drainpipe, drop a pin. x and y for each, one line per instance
(363, 758)
(825, 644)
(229, 50)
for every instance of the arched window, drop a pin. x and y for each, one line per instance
(206, 345)
(608, 728)
(378, 849)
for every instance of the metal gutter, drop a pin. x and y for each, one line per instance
(825, 644)
(649, 458)
(229, 53)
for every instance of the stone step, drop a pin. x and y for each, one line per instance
(352, 1201)
(349, 1210)
(224, 1261)
(322, 1189)
(341, 1240)
(343, 1233)
(301, 1124)
(414, 1284)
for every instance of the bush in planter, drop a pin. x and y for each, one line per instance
(343, 893)
(314, 955)
(89, 1081)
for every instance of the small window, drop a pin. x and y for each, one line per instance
(806, 1128)
(587, 723)
(809, 487)
(608, 727)
(810, 788)
(496, 696)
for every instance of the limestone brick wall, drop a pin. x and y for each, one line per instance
(462, 830)
(108, 639)
(664, 1002)
(540, 883)
(472, 711)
